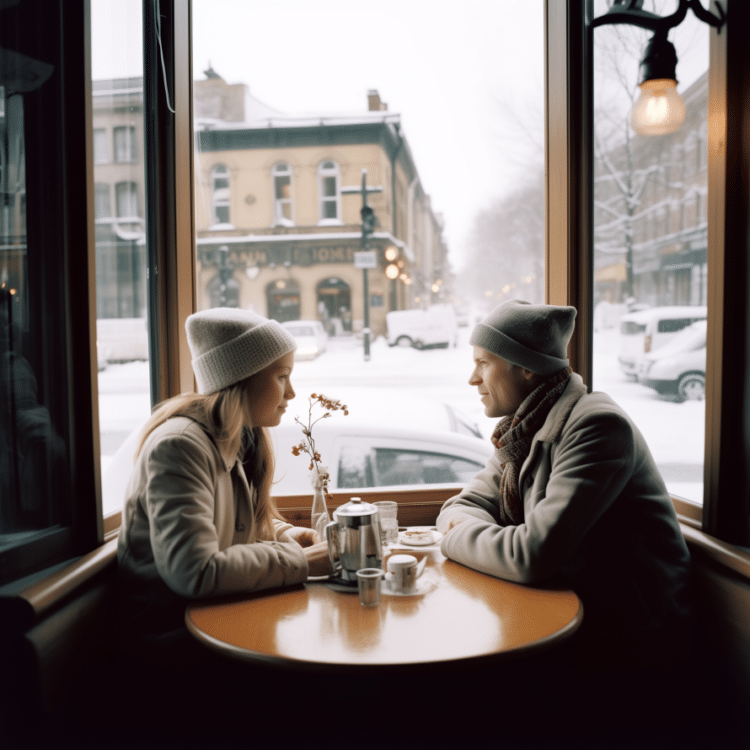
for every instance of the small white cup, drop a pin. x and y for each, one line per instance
(368, 581)
(402, 573)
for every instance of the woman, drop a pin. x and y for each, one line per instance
(198, 519)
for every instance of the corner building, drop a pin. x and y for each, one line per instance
(278, 212)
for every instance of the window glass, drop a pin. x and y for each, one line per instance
(650, 249)
(125, 144)
(421, 467)
(221, 194)
(449, 149)
(282, 192)
(35, 385)
(121, 253)
(329, 191)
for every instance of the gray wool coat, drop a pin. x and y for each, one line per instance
(597, 517)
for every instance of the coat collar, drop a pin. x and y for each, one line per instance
(228, 461)
(559, 413)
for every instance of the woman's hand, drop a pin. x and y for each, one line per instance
(318, 559)
(303, 536)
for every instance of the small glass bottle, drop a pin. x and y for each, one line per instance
(319, 517)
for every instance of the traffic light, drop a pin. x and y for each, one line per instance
(368, 220)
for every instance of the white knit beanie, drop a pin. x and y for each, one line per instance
(534, 337)
(229, 345)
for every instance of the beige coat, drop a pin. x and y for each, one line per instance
(188, 530)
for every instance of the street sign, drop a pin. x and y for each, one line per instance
(366, 259)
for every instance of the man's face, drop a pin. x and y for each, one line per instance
(502, 387)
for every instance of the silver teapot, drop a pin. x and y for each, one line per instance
(354, 540)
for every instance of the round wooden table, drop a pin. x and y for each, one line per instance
(460, 614)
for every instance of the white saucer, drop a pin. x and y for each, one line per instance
(422, 587)
(404, 537)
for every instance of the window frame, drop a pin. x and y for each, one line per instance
(168, 145)
(569, 235)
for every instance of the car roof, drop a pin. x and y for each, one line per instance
(382, 408)
(669, 311)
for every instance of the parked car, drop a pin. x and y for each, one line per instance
(384, 441)
(648, 330)
(679, 367)
(435, 326)
(310, 335)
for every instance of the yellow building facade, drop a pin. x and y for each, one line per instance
(279, 214)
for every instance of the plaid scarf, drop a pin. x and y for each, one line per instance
(512, 440)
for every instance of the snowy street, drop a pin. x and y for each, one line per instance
(674, 431)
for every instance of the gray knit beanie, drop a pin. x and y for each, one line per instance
(229, 345)
(534, 337)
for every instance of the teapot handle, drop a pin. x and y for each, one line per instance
(333, 545)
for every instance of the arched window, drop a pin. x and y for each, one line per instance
(328, 189)
(220, 197)
(282, 193)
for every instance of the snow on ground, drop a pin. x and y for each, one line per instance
(674, 431)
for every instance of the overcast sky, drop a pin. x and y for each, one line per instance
(466, 77)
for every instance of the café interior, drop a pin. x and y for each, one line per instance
(60, 676)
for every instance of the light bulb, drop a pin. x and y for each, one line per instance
(659, 109)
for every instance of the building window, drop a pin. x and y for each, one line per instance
(282, 193)
(102, 201)
(125, 146)
(328, 189)
(100, 146)
(126, 196)
(220, 194)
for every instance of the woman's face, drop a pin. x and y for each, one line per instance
(269, 391)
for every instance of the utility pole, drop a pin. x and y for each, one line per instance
(366, 258)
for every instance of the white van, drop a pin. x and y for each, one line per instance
(643, 331)
(436, 326)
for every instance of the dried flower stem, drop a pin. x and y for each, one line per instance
(308, 443)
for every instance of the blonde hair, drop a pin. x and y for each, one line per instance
(225, 414)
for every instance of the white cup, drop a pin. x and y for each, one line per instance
(403, 572)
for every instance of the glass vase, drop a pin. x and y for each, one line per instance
(319, 517)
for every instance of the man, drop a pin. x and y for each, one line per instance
(571, 494)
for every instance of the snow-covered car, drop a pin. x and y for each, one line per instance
(679, 367)
(647, 330)
(310, 336)
(386, 440)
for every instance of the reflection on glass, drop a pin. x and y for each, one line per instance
(120, 220)
(650, 253)
(34, 456)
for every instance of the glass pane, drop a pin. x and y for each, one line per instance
(121, 273)
(454, 160)
(650, 236)
(35, 496)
